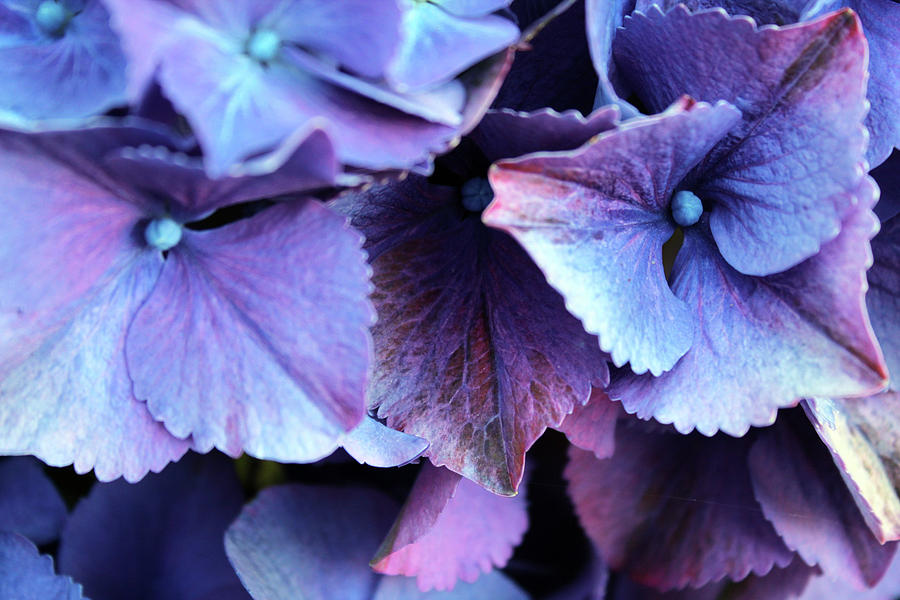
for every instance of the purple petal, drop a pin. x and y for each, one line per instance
(825, 587)
(438, 45)
(374, 444)
(672, 510)
(883, 299)
(472, 8)
(603, 18)
(803, 496)
(481, 358)
(312, 542)
(863, 436)
(595, 221)
(27, 575)
(888, 178)
(261, 294)
(162, 536)
(84, 66)
(805, 329)
(507, 134)
(449, 529)
(780, 12)
(785, 177)
(361, 35)
(29, 504)
(593, 426)
(492, 586)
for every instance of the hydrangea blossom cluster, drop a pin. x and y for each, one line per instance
(464, 299)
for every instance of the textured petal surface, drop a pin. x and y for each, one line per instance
(883, 299)
(595, 221)
(438, 45)
(309, 542)
(672, 510)
(593, 426)
(863, 436)
(449, 529)
(29, 504)
(804, 497)
(85, 66)
(491, 586)
(160, 539)
(27, 575)
(374, 444)
(805, 329)
(783, 180)
(271, 350)
(473, 350)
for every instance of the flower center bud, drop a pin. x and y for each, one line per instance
(163, 234)
(477, 194)
(264, 45)
(686, 208)
(52, 17)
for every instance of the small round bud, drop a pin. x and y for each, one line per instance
(264, 45)
(686, 208)
(163, 234)
(477, 194)
(52, 17)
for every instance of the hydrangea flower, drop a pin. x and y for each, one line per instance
(247, 74)
(118, 317)
(317, 542)
(768, 190)
(53, 49)
(474, 352)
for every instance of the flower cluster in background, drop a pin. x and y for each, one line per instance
(463, 299)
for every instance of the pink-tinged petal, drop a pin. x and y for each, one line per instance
(437, 45)
(70, 400)
(883, 299)
(473, 350)
(784, 179)
(593, 426)
(29, 504)
(362, 35)
(305, 161)
(863, 436)
(879, 19)
(778, 584)
(27, 575)
(555, 70)
(162, 536)
(825, 587)
(449, 529)
(492, 586)
(595, 221)
(309, 542)
(806, 329)
(672, 510)
(804, 497)
(507, 133)
(376, 445)
(255, 337)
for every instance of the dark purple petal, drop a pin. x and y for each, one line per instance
(27, 575)
(595, 221)
(672, 510)
(507, 134)
(805, 330)
(603, 17)
(555, 71)
(825, 587)
(473, 350)
(593, 426)
(783, 180)
(310, 542)
(438, 45)
(160, 539)
(376, 445)
(492, 586)
(255, 337)
(29, 504)
(863, 436)
(449, 529)
(888, 178)
(780, 12)
(76, 74)
(804, 497)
